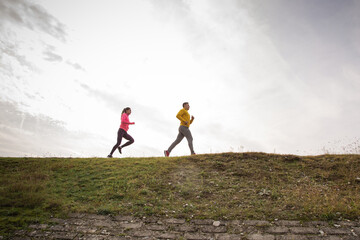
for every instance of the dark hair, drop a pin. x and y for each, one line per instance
(125, 109)
(185, 104)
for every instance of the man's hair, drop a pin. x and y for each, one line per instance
(185, 104)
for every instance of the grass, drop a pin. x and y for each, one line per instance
(218, 186)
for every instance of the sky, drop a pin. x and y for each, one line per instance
(272, 76)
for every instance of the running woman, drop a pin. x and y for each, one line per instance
(184, 130)
(122, 133)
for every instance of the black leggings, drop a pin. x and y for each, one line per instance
(122, 134)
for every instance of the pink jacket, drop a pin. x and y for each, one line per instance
(125, 122)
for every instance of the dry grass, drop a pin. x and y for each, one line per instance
(227, 186)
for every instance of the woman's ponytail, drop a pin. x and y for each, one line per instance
(125, 109)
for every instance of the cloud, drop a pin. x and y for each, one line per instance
(21, 24)
(116, 102)
(76, 66)
(51, 56)
(24, 134)
(10, 50)
(312, 37)
(278, 65)
(32, 16)
(263, 75)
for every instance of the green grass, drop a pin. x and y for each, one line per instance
(221, 186)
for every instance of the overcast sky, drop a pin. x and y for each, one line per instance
(271, 76)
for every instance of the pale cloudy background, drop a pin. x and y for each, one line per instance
(272, 76)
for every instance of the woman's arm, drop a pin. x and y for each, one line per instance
(125, 119)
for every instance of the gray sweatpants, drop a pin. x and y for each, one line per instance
(183, 132)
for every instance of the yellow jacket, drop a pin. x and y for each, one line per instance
(184, 116)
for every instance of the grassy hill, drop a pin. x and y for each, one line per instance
(218, 186)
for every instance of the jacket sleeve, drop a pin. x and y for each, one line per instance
(125, 119)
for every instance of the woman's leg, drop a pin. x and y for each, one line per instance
(129, 138)
(119, 138)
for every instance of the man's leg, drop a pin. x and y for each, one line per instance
(180, 137)
(186, 132)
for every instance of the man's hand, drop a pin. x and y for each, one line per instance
(192, 118)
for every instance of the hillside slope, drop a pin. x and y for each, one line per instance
(225, 186)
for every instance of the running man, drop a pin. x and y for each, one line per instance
(122, 132)
(184, 131)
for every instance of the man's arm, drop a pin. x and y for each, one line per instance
(179, 116)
